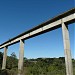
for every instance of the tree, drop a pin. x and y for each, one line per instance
(1, 59)
(13, 55)
(12, 61)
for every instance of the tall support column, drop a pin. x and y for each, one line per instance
(21, 55)
(4, 58)
(68, 59)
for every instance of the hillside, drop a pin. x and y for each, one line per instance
(39, 66)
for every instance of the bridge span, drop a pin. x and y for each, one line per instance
(62, 20)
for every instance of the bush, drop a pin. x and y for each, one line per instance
(3, 72)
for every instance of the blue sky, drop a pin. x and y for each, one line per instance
(17, 16)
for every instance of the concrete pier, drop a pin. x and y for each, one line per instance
(21, 56)
(4, 58)
(68, 59)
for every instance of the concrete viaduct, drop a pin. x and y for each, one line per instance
(62, 20)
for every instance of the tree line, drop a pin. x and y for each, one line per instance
(38, 66)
